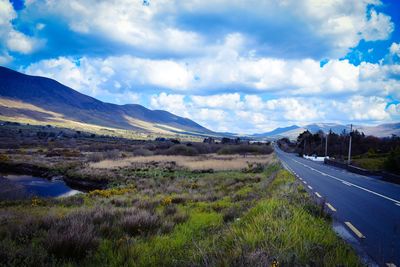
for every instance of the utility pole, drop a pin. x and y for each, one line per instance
(349, 156)
(326, 145)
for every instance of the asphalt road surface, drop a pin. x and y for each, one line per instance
(367, 207)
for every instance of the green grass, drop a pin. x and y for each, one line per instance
(285, 231)
(372, 164)
(225, 218)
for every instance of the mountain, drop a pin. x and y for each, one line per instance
(386, 129)
(39, 99)
(277, 131)
(291, 132)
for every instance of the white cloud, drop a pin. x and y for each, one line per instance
(19, 42)
(229, 101)
(126, 22)
(395, 49)
(210, 75)
(323, 28)
(78, 74)
(394, 110)
(171, 102)
(251, 114)
(377, 27)
(11, 39)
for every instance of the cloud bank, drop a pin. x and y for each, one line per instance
(243, 66)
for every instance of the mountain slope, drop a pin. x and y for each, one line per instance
(382, 130)
(277, 131)
(47, 100)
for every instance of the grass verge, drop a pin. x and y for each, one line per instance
(227, 218)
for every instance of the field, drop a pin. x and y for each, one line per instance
(158, 207)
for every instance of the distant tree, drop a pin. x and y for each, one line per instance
(392, 162)
(226, 140)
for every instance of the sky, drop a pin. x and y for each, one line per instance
(243, 66)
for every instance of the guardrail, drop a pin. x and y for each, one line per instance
(386, 176)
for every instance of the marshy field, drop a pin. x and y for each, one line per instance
(158, 203)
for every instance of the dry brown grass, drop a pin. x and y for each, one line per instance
(203, 162)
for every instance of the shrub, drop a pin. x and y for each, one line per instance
(146, 204)
(95, 157)
(180, 217)
(230, 214)
(169, 210)
(182, 150)
(167, 201)
(139, 222)
(112, 154)
(71, 201)
(99, 156)
(245, 149)
(4, 158)
(109, 192)
(72, 237)
(392, 163)
(255, 167)
(142, 152)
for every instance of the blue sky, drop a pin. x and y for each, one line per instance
(239, 66)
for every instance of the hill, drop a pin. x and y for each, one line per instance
(43, 100)
(291, 132)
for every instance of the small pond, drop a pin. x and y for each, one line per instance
(27, 186)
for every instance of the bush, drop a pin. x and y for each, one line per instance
(142, 152)
(4, 158)
(99, 156)
(245, 149)
(205, 148)
(230, 214)
(392, 163)
(169, 210)
(72, 237)
(182, 150)
(255, 167)
(95, 157)
(139, 222)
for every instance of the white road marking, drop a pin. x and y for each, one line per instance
(389, 264)
(354, 229)
(331, 207)
(397, 202)
(304, 182)
(347, 183)
(318, 195)
(310, 187)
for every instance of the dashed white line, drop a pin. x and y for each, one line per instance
(304, 182)
(310, 187)
(331, 207)
(351, 184)
(318, 195)
(354, 229)
(347, 183)
(390, 264)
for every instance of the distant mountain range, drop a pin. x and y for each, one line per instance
(38, 99)
(382, 130)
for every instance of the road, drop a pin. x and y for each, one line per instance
(367, 207)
